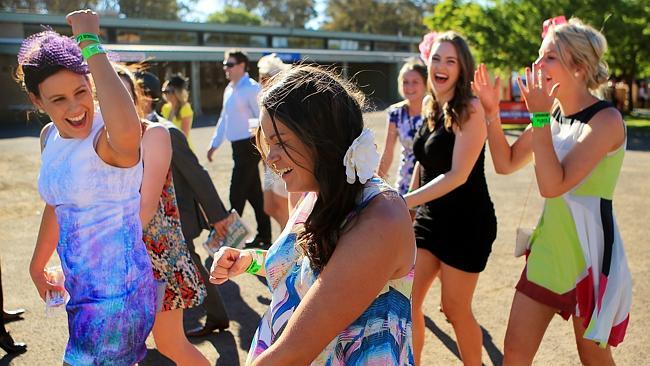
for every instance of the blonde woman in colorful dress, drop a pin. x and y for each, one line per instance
(404, 121)
(575, 265)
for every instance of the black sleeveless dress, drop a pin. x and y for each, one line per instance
(459, 227)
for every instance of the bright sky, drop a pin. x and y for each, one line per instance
(203, 8)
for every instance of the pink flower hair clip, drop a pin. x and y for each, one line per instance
(425, 46)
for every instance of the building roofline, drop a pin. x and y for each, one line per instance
(158, 53)
(32, 18)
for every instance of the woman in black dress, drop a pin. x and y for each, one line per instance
(455, 223)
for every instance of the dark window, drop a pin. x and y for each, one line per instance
(392, 46)
(146, 36)
(232, 39)
(348, 44)
(297, 42)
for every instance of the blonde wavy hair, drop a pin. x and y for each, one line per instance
(413, 64)
(177, 85)
(580, 45)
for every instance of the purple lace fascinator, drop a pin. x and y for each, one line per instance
(46, 52)
(48, 48)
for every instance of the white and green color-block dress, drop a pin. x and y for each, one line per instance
(576, 261)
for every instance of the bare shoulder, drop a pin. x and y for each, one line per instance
(609, 123)
(607, 118)
(386, 226)
(156, 138)
(385, 217)
(386, 205)
(156, 131)
(476, 120)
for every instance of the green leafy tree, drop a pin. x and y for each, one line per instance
(49, 6)
(234, 15)
(284, 13)
(148, 9)
(506, 34)
(403, 17)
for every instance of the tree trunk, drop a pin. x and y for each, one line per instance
(630, 106)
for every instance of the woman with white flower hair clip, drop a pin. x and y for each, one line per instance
(342, 270)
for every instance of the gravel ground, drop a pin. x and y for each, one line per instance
(247, 297)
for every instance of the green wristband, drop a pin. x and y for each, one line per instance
(540, 119)
(87, 37)
(92, 50)
(256, 262)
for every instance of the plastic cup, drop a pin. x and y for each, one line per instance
(55, 300)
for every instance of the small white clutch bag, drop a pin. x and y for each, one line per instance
(522, 243)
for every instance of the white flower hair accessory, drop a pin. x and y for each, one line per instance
(362, 158)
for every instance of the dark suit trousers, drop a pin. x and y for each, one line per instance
(245, 185)
(214, 307)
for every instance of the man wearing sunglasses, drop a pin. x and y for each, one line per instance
(240, 106)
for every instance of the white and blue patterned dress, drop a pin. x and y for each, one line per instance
(380, 336)
(107, 269)
(407, 126)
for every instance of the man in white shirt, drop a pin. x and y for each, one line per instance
(240, 106)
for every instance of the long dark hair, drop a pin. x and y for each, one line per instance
(325, 113)
(457, 110)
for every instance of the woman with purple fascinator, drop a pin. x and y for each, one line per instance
(90, 184)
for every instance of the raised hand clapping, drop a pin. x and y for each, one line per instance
(537, 93)
(486, 91)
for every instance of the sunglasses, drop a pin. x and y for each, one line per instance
(229, 64)
(551, 22)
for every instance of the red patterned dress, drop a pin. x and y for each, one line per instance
(169, 255)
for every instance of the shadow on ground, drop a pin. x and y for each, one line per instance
(488, 344)
(223, 342)
(6, 359)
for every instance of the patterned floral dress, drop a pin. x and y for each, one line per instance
(380, 336)
(407, 126)
(169, 255)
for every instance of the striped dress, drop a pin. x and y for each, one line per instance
(380, 336)
(576, 261)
